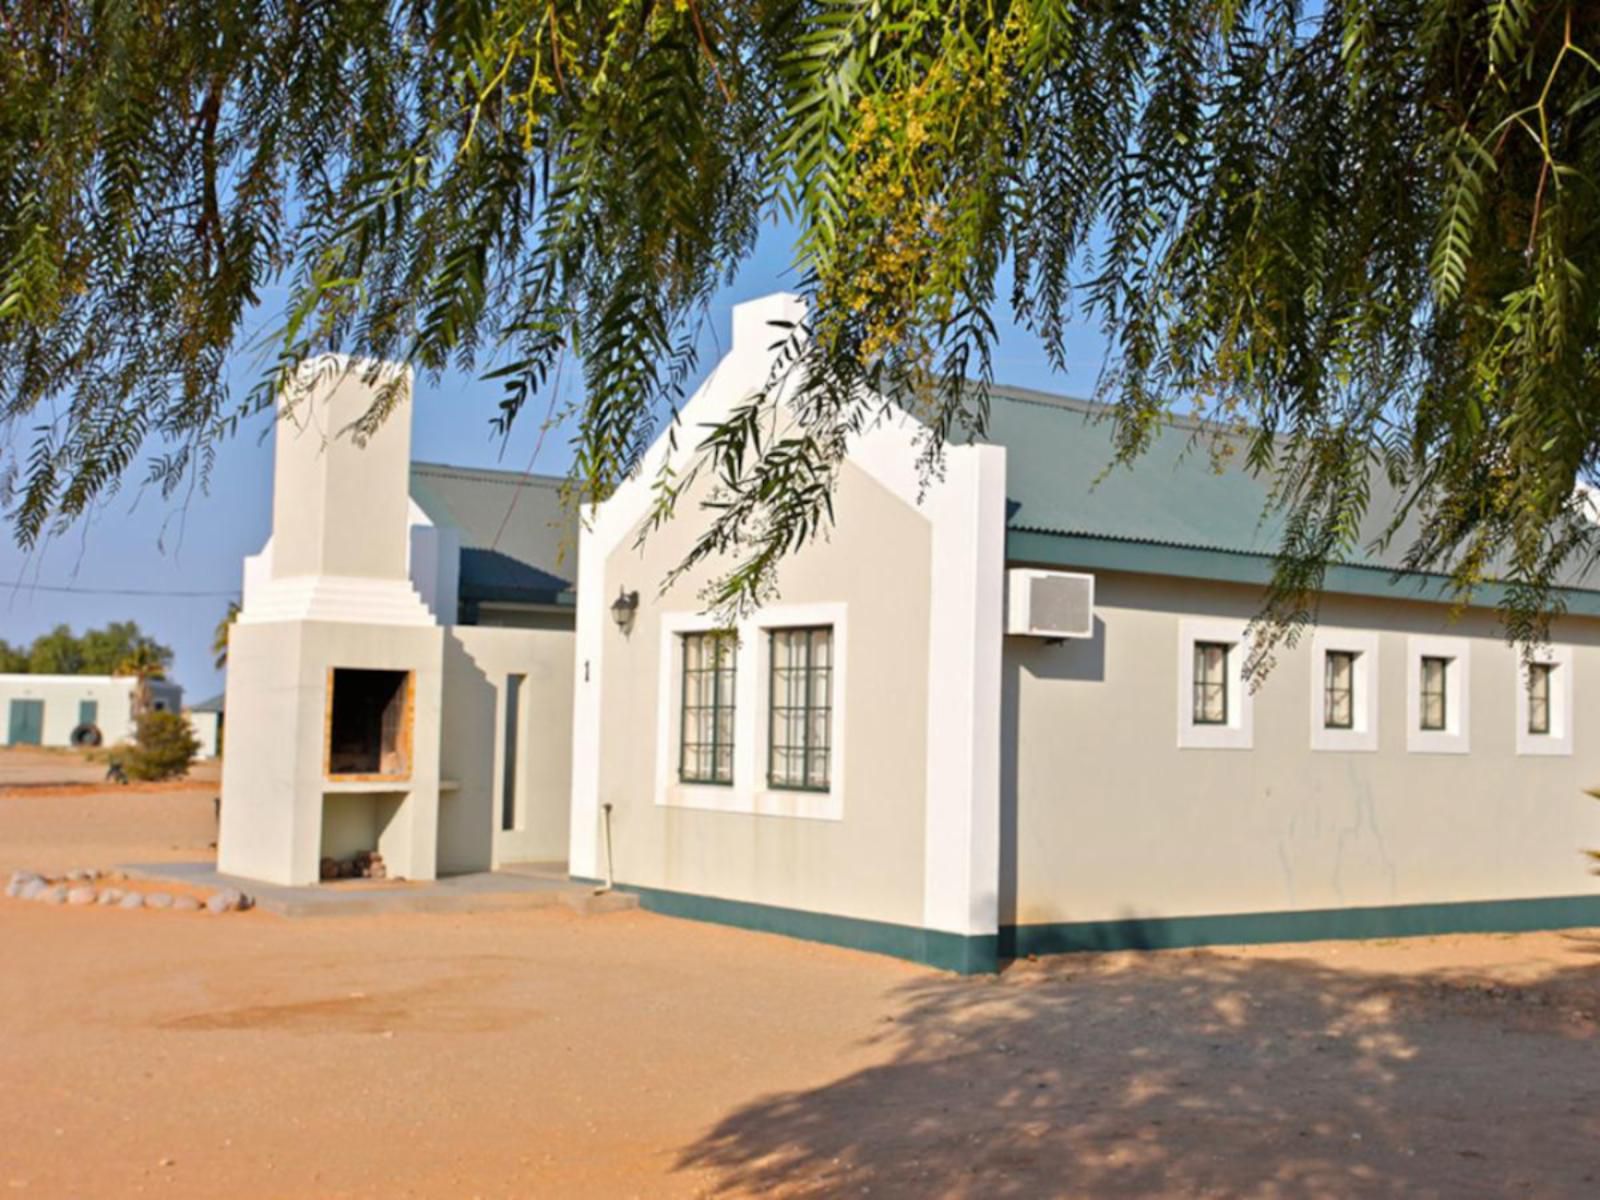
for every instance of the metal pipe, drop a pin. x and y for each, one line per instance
(610, 870)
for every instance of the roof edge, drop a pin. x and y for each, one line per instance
(488, 474)
(1050, 549)
(1099, 410)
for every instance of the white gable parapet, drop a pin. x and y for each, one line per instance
(744, 370)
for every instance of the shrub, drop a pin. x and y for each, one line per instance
(163, 747)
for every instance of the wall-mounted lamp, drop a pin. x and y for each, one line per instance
(623, 609)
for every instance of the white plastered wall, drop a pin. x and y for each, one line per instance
(478, 660)
(207, 728)
(913, 836)
(434, 564)
(1118, 821)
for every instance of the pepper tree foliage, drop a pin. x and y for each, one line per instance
(1363, 234)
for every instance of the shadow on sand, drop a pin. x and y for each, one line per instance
(1197, 1072)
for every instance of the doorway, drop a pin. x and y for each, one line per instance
(27, 723)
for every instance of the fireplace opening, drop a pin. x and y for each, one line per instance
(369, 722)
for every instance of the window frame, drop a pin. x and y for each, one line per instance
(1425, 693)
(1330, 691)
(1558, 742)
(1455, 736)
(1236, 731)
(749, 794)
(807, 708)
(1362, 733)
(1545, 673)
(719, 638)
(1199, 707)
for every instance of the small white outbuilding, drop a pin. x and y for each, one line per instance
(205, 719)
(69, 710)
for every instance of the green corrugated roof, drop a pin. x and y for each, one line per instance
(519, 542)
(1059, 479)
(1176, 509)
(1177, 495)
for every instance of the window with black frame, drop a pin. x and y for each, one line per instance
(1434, 716)
(705, 732)
(1539, 676)
(1339, 690)
(800, 709)
(1211, 683)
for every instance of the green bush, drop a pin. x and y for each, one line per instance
(163, 747)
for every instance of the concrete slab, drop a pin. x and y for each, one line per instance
(536, 870)
(487, 891)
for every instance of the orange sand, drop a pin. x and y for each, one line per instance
(544, 1054)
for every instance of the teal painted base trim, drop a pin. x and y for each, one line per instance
(978, 955)
(975, 955)
(1314, 925)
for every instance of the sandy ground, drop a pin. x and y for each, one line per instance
(544, 1054)
(59, 771)
(53, 819)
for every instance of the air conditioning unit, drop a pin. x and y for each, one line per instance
(1049, 604)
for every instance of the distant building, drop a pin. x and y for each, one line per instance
(205, 719)
(76, 710)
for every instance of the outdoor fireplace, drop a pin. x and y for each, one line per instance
(369, 724)
(335, 664)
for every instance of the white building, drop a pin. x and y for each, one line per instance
(1004, 716)
(205, 719)
(70, 710)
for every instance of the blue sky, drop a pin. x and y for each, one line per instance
(189, 549)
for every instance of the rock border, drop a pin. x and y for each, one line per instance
(78, 887)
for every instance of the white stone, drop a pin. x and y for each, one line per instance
(158, 900)
(81, 895)
(131, 900)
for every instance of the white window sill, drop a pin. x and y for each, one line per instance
(1344, 741)
(1213, 737)
(1437, 741)
(1543, 745)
